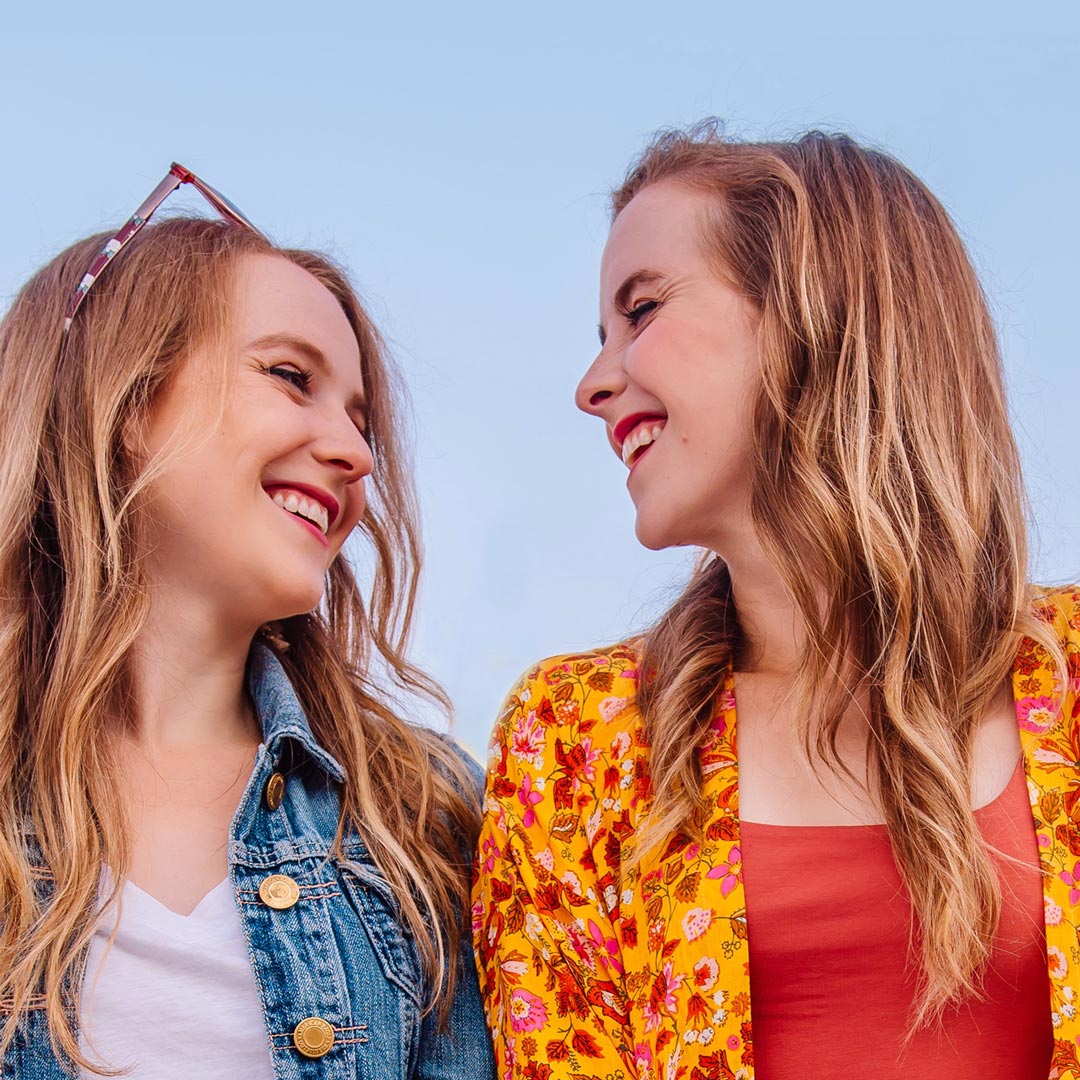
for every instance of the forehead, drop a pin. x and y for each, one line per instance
(660, 229)
(275, 296)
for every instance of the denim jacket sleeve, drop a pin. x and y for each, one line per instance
(461, 1048)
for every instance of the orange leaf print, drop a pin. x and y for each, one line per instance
(1069, 835)
(611, 1000)
(713, 1067)
(585, 1044)
(687, 889)
(557, 1051)
(601, 681)
(1050, 805)
(563, 793)
(1065, 1056)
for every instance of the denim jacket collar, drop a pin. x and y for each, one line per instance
(280, 713)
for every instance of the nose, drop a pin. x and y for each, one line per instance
(346, 447)
(603, 381)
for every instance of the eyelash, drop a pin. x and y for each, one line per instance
(636, 314)
(297, 377)
(301, 379)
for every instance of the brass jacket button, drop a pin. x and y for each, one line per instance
(313, 1037)
(275, 791)
(279, 891)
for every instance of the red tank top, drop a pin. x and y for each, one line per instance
(830, 975)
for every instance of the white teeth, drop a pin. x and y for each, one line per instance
(304, 507)
(641, 436)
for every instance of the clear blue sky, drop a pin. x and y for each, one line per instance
(458, 164)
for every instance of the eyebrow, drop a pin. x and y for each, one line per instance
(313, 354)
(622, 293)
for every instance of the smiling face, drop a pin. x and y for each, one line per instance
(677, 371)
(264, 453)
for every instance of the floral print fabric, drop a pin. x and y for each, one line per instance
(593, 971)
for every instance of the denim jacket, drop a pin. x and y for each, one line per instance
(339, 980)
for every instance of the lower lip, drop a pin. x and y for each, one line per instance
(317, 533)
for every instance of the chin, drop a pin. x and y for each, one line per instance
(297, 599)
(654, 535)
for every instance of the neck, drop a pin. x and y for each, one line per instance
(768, 616)
(188, 675)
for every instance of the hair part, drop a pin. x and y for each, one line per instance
(73, 601)
(886, 490)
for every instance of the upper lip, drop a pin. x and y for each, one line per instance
(628, 423)
(320, 495)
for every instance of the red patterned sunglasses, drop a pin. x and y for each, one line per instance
(176, 176)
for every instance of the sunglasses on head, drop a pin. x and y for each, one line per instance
(176, 176)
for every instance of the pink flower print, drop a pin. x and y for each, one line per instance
(610, 707)
(528, 798)
(477, 917)
(643, 1057)
(729, 873)
(667, 987)
(1059, 966)
(490, 852)
(1050, 757)
(556, 674)
(620, 745)
(1052, 914)
(579, 942)
(706, 971)
(1072, 880)
(733, 1042)
(606, 948)
(697, 921)
(692, 852)
(1036, 713)
(1044, 840)
(527, 739)
(651, 1015)
(588, 766)
(527, 1011)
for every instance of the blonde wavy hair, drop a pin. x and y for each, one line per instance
(886, 489)
(73, 599)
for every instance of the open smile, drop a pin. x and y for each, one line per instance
(314, 509)
(635, 434)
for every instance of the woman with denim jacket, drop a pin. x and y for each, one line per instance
(223, 851)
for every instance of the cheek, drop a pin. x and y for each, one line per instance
(352, 512)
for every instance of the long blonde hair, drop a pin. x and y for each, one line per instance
(885, 479)
(73, 600)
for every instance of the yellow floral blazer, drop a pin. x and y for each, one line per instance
(592, 972)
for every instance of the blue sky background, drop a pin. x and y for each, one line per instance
(457, 161)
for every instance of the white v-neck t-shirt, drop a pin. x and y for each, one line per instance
(174, 996)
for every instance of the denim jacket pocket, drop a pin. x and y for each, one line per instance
(372, 899)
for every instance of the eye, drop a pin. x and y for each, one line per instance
(297, 376)
(635, 315)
